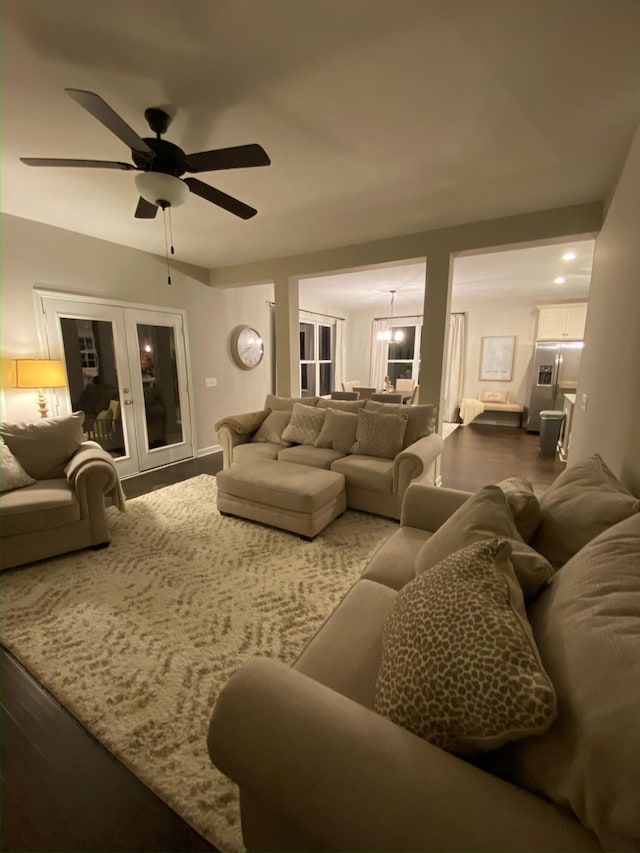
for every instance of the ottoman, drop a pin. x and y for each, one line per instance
(292, 497)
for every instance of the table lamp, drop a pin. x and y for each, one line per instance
(40, 373)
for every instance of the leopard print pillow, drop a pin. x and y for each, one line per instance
(460, 667)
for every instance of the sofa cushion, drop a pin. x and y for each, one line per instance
(12, 474)
(44, 447)
(338, 430)
(272, 427)
(305, 424)
(486, 516)
(421, 419)
(460, 666)
(523, 504)
(44, 505)
(581, 503)
(587, 627)
(341, 405)
(315, 457)
(255, 450)
(393, 563)
(366, 472)
(287, 403)
(379, 434)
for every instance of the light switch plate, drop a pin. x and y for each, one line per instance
(210, 383)
(584, 402)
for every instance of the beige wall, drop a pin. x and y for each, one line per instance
(37, 255)
(610, 369)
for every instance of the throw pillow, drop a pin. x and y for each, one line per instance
(460, 667)
(486, 516)
(587, 627)
(272, 427)
(12, 474)
(494, 396)
(341, 405)
(338, 431)
(305, 424)
(523, 504)
(44, 447)
(581, 503)
(278, 404)
(421, 419)
(379, 435)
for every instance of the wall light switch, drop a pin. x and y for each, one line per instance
(210, 383)
(584, 402)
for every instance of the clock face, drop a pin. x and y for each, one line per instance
(247, 347)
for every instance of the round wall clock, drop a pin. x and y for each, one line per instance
(247, 347)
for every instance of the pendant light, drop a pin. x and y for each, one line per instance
(398, 335)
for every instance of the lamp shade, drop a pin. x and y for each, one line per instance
(163, 190)
(40, 373)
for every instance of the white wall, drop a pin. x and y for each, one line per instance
(37, 255)
(610, 368)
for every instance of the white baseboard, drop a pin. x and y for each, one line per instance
(206, 451)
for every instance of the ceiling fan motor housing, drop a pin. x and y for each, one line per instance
(169, 158)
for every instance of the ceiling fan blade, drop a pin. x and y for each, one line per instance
(84, 164)
(145, 210)
(238, 157)
(101, 111)
(228, 202)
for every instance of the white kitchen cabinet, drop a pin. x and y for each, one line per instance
(562, 322)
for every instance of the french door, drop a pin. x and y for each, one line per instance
(127, 371)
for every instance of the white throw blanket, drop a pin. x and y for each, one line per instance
(470, 408)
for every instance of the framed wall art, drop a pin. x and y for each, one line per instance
(496, 358)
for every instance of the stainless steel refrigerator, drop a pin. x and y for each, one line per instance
(555, 373)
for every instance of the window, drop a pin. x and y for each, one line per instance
(316, 362)
(403, 360)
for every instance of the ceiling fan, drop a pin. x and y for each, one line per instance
(161, 163)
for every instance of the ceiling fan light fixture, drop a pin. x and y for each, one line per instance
(162, 190)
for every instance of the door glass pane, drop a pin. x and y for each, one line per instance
(93, 380)
(159, 372)
(308, 380)
(405, 348)
(306, 342)
(326, 382)
(324, 343)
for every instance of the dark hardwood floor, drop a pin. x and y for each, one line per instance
(62, 791)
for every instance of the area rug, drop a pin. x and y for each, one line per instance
(137, 640)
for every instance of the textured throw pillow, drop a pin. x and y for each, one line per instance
(421, 419)
(523, 504)
(460, 667)
(305, 424)
(581, 503)
(338, 431)
(494, 396)
(486, 516)
(278, 404)
(379, 435)
(272, 427)
(12, 474)
(44, 447)
(587, 627)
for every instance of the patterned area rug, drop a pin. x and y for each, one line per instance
(138, 639)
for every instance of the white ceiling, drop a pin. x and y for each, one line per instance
(527, 274)
(380, 117)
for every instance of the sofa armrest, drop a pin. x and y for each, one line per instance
(229, 439)
(415, 461)
(352, 780)
(94, 477)
(428, 507)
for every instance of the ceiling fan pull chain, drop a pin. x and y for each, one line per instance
(171, 232)
(166, 244)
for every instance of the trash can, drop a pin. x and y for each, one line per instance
(550, 428)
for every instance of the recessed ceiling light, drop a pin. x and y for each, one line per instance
(569, 256)
(558, 279)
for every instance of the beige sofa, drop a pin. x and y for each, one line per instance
(56, 501)
(374, 484)
(318, 769)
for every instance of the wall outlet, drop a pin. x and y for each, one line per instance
(210, 383)
(584, 402)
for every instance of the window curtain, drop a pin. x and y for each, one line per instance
(340, 355)
(454, 380)
(379, 354)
